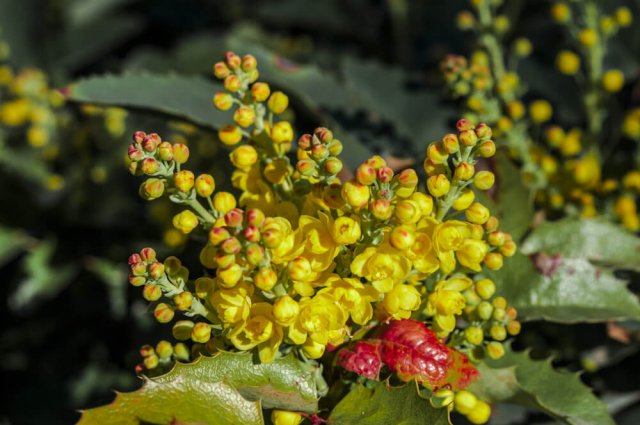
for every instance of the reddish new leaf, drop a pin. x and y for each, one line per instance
(412, 351)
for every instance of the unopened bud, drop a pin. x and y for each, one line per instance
(260, 92)
(201, 332)
(163, 313)
(184, 180)
(180, 153)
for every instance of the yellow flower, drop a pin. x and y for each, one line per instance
(540, 111)
(353, 296)
(185, 221)
(447, 238)
(345, 230)
(258, 330)
(383, 266)
(401, 301)
(422, 253)
(232, 305)
(322, 320)
(320, 248)
(568, 62)
(15, 112)
(445, 302)
(472, 253)
(613, 80)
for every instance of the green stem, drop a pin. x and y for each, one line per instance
(593, 94)
(204, 214)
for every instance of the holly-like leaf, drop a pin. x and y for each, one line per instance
(511, 192)
(516, 378)
(286, 383)
(593, 239)
(387, 405)
(187, 98)
(184, 399)
(570, 290)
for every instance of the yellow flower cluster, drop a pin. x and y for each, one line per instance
(301, 258)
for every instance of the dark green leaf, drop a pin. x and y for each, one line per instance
(188, 98)
(536, 384)
(573, 290)
(514, 200)
(382, 405)
(593, 239)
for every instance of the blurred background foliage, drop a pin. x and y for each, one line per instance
(368, 69)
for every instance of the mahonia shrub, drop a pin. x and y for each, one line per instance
(563, 165)
(302, 261)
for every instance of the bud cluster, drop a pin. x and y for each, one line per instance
(318, 156)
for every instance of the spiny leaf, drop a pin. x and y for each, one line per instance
(572, 290)
(536, 384)
(593, 239)
(382, 405)
(182, 97)
(184, 399)
(286, 384)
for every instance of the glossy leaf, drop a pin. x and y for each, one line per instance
(571, 290)
(516, 378)
(593, 239)
(183, 399)
(387, 405)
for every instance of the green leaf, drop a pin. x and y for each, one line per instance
(286, 384)
(114, 276)
(387, 405)
(188, 98)
(227, 388)
(183, 399)
(512, 192)
(11, 243)
(596, 240)
(536, 384)
(573, 291)
(44, 280)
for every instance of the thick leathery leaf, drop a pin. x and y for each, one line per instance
(286, 384)
(593, 239)
(535, 383)
(383, 405)
(188, 98)
(183, 399)
(570, 290)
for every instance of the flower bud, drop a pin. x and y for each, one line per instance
(480, 413)
(220, 70)
(408, 211)
(464, 200)
(385, 174)
(335, 147)
(224, 261)
(381, 209)
(402, 237)
(513, 327)
(183, 300)
(252, 234)
(491, 224)
(255, 217)
(323, 134)
(230, 135)
(464, 171)
(152, 189)
(223, 101)
(231, 245)
(233, 61)
(355, 194)
(285, 310)
(508, 249)
(568, 62)
(139, 136)
(365, 174)
(285, 417)
(134, 153)
(244, 116)
(437, 153)
(201, 332)
(151, 292)
(477, 213)
(156, 270)
(498, 332)
(278, 102)
(265, 278)
(254, 254)
(623, 16)
(613, 80)
(442, 398)
(184, 180)
(408, 178)
(163, 313)
(495, 350)
(468, 138)
(204, 286)
(244, 156)
(432, 168)
(260, 92)
(151, 362)
(249, 63)
(232, 83)
(218, 234)
(483, 131)
(484, 310)
(474, 335)
(486, 149)
(496, 238)
(306, 167)
(333, 166)
(234, 217)
(438, 185)
(185, 221)
(485, 288)
(465, 401)
(299, 269)
(319, 151)
(229, 277)
(137, 280)
(282, 132)
(151, 142)
(493, 261)
(484, 180)
(205, 185)
(180, 153)
(312, 349)
(150, 166)
(224, 202)
(272, 238)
